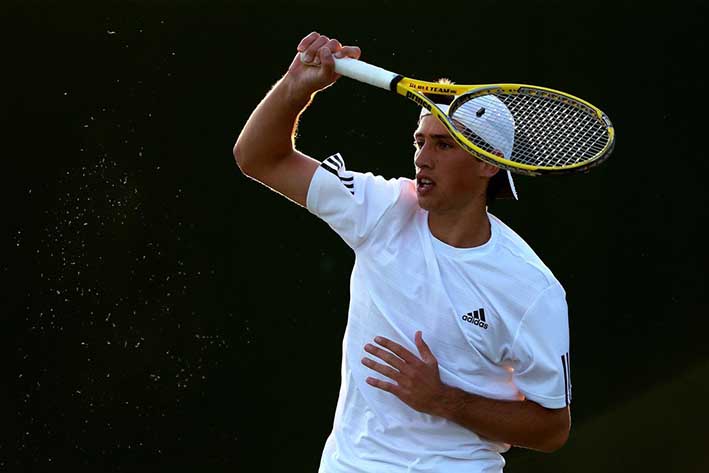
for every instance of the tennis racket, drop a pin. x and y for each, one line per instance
(554, 132)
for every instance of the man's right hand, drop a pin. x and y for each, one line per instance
(265, 149)
(316, 69)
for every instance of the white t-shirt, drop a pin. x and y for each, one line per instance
(494, 316)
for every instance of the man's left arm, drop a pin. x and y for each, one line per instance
(417, 382)
(522, 423)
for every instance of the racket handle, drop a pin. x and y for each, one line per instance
(363, 72)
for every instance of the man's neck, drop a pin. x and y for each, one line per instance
(461, 229)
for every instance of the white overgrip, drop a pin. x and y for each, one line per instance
(363, 72)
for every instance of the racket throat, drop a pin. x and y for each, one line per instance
(395, 82)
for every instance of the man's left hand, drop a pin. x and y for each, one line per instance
(417, 381)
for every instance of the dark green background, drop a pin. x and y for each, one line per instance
(161, 312)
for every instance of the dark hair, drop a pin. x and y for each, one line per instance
(496, 182)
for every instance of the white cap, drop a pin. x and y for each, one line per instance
(492, 121)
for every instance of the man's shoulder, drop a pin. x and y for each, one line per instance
(401, 190)
(518, 258)
(402, 208)
(366, 184)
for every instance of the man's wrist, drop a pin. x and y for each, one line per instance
(451, 402)
(295, 95)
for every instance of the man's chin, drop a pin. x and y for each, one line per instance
(424, 203)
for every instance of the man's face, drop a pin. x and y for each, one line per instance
(447, 177)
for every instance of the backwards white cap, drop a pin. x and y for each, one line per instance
(492, 121)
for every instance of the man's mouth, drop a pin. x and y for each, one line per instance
(424, 184)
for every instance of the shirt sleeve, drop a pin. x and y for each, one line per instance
(352, 203)
(541, 349)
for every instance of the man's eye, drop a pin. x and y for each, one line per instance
(444, 145)
(418, 144)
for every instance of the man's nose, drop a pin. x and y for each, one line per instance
(424, 157)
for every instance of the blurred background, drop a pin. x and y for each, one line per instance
(162, 312)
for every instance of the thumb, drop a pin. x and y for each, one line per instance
(426, 354)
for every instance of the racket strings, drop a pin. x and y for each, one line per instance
(553, 133)
(577, 142)
(549, 131)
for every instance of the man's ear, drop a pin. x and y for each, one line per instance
(488, 170)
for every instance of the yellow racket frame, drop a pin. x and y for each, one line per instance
(414, 90)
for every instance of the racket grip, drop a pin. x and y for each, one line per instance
(363, 72)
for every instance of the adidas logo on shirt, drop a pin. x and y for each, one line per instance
(476, 318)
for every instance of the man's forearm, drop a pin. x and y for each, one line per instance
(268, 134)
(521, 423)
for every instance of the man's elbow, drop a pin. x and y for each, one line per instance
(557, 431)
(555, 441)
(240, 157)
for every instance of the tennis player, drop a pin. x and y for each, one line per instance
(457, 338)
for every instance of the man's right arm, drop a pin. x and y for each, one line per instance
(265, 149)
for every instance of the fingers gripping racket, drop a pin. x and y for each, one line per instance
(553, 132)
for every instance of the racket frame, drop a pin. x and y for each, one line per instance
(414, 90)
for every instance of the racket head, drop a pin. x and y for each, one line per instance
(553, 132)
